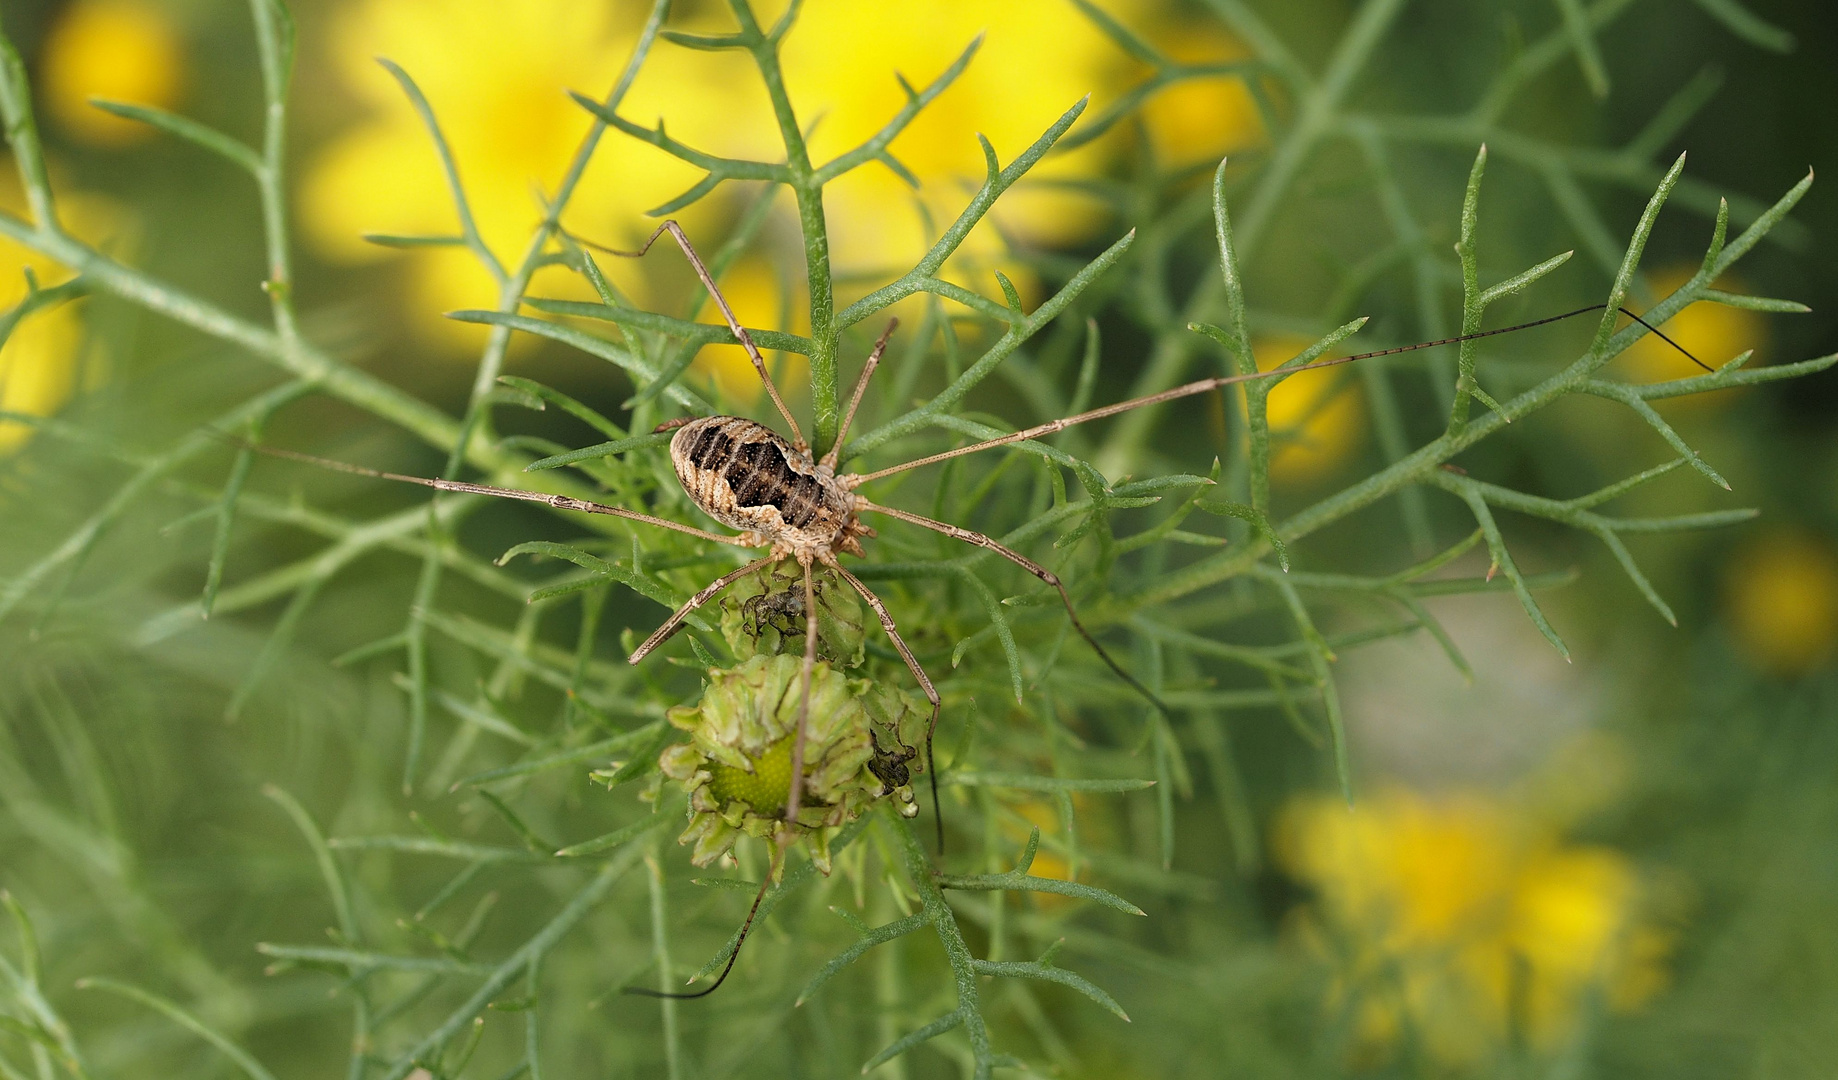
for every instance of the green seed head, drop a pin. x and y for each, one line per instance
(736, 765)
(766, 789)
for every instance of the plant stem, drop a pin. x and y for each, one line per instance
(825, 414)
(944, 923)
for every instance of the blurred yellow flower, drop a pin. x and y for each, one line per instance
(1781, 600)
(1200, 120)
(1316, 419)
(496, 75)
(1038, 57)
(118, 49)
(1714, 333)
(39, 363)
(758, 296)
(1464, 918)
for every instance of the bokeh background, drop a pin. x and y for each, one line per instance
(1618, 866)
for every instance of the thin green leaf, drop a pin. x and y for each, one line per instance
(879, 935)
(1747, 25)
(360, 961)
(1018, 882)
(329, 870)
(393, 240)
(601, 750)
(567, 404)
(1754, 303)
(643, 584)
(1582, 40)
(600, 450)
(999, 623)
(1503, 560)
(449, 167)
(446, 849)
(244, 1061)
(181, 127)
(1015, 969)
(911, 1039)
(616, 838)
(1019, 782)
(640, 368)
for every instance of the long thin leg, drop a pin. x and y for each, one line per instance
(560, 502)
(1031, 567)
(778, 858)
(727, 314)
(794, 800)
(671, 625)
(1204, 385)
(912, 665)
(834, 454)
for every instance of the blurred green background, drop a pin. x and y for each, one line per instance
(1622, 866)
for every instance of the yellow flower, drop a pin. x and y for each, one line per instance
(1781, 601)
(1465, 917)
(118, 49)
(758, 296)
(497, 76)
(39, 363)
(1714, 333)
(1200, 120)
(1316, 419)
(1038, 57)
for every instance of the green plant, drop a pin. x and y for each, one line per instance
(526, 732)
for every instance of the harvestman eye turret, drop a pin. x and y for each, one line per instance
(750, 478)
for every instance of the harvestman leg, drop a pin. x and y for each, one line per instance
(772, 873)
(794, 800)
(1187, 390)
(834, 454)
(912, 665)
(1031, 567)
(785, 835)
(560, 502)
(1202, 387)
(662, 633)
(727, 314)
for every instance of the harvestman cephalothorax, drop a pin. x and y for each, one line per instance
(748, 477)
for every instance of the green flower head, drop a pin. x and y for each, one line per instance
(736, 765)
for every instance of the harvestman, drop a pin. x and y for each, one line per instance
(748, 477)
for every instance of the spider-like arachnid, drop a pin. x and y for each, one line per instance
(748, 477)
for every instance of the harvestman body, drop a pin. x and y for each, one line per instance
(748, 477)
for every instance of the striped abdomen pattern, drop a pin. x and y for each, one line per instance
(747, 476)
